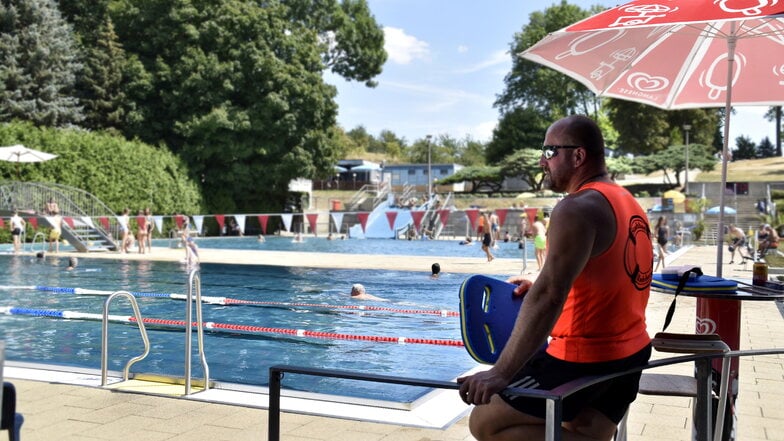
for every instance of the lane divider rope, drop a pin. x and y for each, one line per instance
(227, 301)
(222, 327)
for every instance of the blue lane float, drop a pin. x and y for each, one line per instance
(227, 301)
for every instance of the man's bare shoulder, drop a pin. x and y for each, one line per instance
(583, 203)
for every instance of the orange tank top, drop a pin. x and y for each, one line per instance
(603, 318)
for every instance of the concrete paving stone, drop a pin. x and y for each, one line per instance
(241, 418)
(125, 427)
(673, 421)
(41, 404)
(53, 415)
(209, 433)
(102, 400)
(179, 424)
(171, 408)
(56, 430)
(661, 432)
(113, 412)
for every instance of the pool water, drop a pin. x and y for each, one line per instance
(235, 357)
(435, 248)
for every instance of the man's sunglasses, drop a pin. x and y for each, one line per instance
(551, 151)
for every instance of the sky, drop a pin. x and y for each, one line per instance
(446, 64)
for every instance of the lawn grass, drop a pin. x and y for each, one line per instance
(747, 170)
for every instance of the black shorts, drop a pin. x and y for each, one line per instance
(487, 240)
(612, 398)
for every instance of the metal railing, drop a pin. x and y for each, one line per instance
(105, 335)
(194, 285)
(35, 238)
(553, 398)
(31, 198)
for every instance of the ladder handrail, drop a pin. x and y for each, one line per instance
(105, 335)
(194, 279)
(32, 244)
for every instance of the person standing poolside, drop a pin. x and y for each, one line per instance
(737, 239)
(590, 298)
(191, 249)
(662, 232)
(122, 223)
(141, 231)
(480, 229)
(487, 239)
(358, 293)
(540, 243)
(18, 226)
(57, 230)
(148, 219)
(494, 227)
(51, 207)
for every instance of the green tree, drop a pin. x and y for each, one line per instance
(522, 127)
(766, 149)
(352, 41)
(673, 159)
(40, 62)
(550, 93)
(644, 129)
(417, 151)
(100, 86)
(361, 139)
(122, 173)
(744, 148)
(472, 152)
(392, 145)
(236, 89)
(483, 178)
(621, 165)
(524, 164)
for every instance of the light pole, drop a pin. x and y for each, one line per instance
(337, 180)
(429, 183)
(686, 128)
(354, 175)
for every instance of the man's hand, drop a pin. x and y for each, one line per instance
(523, 284)
(478, 388)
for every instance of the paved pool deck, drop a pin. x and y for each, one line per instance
(56, 410)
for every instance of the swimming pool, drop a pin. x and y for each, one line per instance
(435, 248)
(292, 295)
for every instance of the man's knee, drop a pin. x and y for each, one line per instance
(488, 421)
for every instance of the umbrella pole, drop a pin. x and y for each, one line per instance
(731, 41)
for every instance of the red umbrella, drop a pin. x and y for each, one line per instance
(677, 54)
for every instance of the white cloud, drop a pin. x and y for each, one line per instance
(495, 59)
(444, 95)
(462, 49)
(403, 48)
(484, 131)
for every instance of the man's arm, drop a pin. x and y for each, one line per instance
(578, 229)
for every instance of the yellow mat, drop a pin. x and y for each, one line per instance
(154, 387)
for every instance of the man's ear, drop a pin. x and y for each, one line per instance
(579, 156)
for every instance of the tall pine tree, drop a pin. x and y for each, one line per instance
(101, 82)
(40, 62)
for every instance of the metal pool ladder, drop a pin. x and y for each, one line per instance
(194, 285)
(105, 335)
(194, 281)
